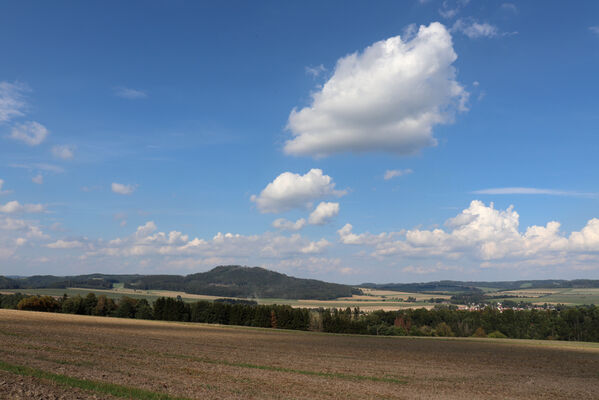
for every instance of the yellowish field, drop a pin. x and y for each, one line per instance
(45, 355)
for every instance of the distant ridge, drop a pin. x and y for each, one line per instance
(226, 281)
(472, 286)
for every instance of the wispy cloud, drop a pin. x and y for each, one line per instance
(128, 93)
(315, 71)
(65, 152)
(392, 173)
(38, 179)
(594, 29)
(3, 191)
(474, 29)
(510, 7)
(12, 100)
(526, 190)
(31, 133)
(39, 166)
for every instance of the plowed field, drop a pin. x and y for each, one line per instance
(58, 356)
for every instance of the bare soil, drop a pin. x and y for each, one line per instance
(219, 362)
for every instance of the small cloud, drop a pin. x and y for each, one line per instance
(12, 100)
(38, 179)
(31, 133)
(594, 29)
(474, 29)
(65, 244)
(128, 93)
(286, 225)
(13, 207)
(39, 166)
(315, 71)
(123, 189)
(122, 217)
(323, 213)
(392, 173)
(3, 191)
(64, 152)
(510, 7)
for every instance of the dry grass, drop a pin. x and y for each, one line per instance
(207, 361)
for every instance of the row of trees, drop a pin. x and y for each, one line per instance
(563, 323)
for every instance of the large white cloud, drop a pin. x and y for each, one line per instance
(386, 98)
(289, 191)
(323, 213)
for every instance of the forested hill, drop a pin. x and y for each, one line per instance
(253, 282)
(467, 287)
(226, 281)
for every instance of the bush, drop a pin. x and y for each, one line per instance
(496, 335)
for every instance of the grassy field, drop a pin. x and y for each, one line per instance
(44, 355)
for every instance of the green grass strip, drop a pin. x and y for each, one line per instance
(85, 384)
(290, 370)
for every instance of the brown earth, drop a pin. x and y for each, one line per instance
(218, 362)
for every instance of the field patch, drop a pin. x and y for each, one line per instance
(121, 357)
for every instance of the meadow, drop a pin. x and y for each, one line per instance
(47, 355)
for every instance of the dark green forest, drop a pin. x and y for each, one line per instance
(562, 323)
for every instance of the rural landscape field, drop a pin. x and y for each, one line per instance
(93, 357)
(310, 199)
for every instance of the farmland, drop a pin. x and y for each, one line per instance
(371, 301)
(83, 356)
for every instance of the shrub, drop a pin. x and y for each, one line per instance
(496, 335)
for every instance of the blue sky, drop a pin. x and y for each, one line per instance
(457, 139)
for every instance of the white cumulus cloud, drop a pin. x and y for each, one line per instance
(323, 213)
(289, 191)
(121, 188)
(386, 98)
(486, 235)
(31, 133)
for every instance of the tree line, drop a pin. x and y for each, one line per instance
(562, 323)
